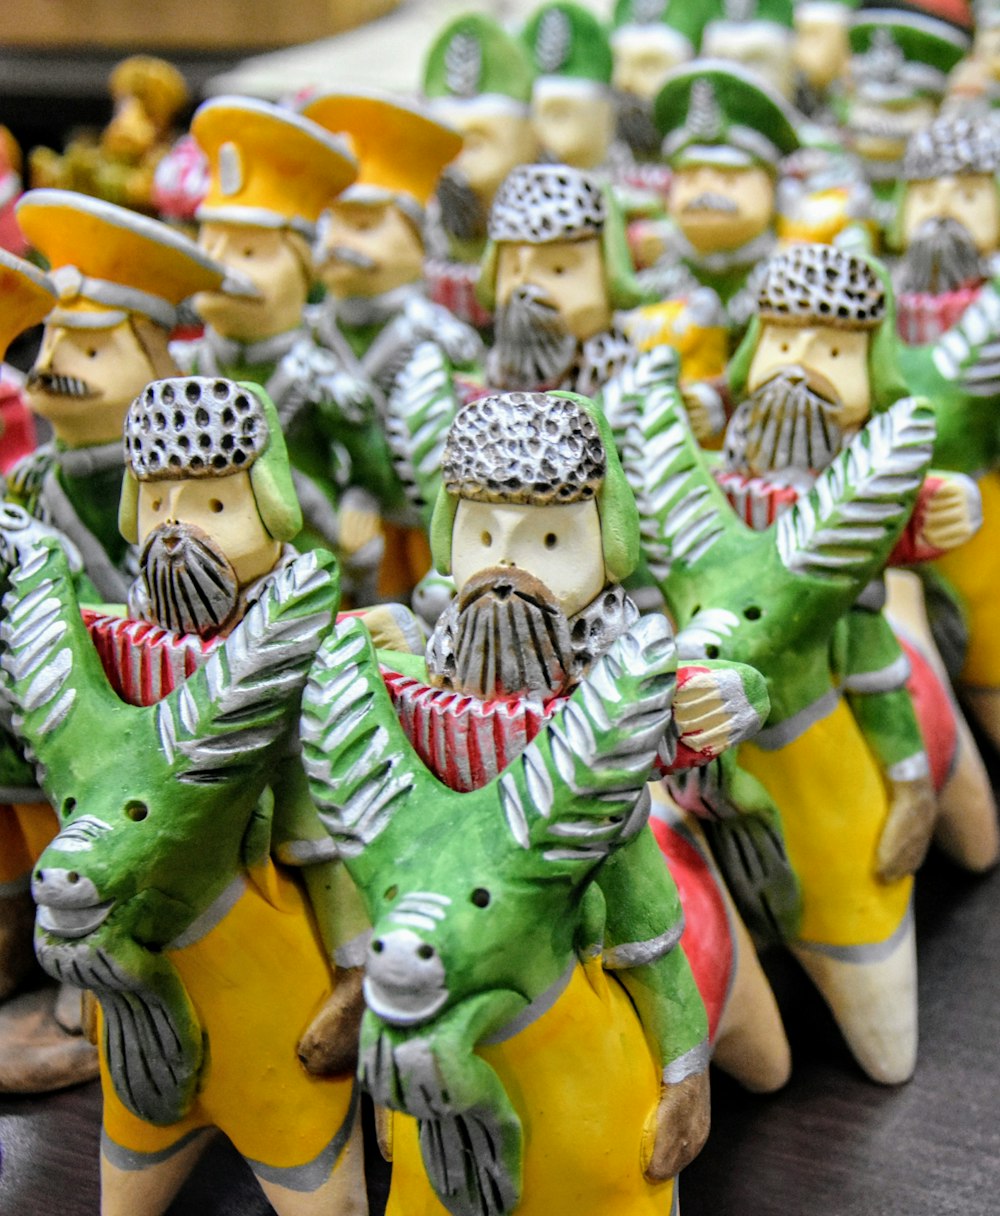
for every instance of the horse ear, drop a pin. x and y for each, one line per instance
(246, 696)
(53, 681)
(846, 526)
(578, 790)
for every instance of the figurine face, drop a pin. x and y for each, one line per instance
(84, 380)
(274, 261)
(821, 48)
(970, 198)
(574, 129)
(987, 49)
(369, 249)
(641, 66)
(559, 545)
(570, 273)
(880, 132)
(494, 144)
(837, 356)
(222, 507)
(718, 208)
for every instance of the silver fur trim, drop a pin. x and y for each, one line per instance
(821, 284)
(537, 204)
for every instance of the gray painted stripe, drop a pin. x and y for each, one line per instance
(213, 915)
(531, 1013)
(865, 952)
(312, 1175)
(689, 1064)
(772, 738)
(636, 954)
(884, 680)
(131, 1159)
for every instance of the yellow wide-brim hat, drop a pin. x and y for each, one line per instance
(401, 148)
(107, 263)
(26, 297)
(269, 167)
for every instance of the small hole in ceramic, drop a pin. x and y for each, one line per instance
(480, 897)
(68, 806)
(551, 540)
(136, 811)
(215, 505)
(753, 613)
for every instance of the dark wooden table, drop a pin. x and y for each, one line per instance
(831, 1144)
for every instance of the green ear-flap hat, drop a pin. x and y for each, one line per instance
(711, 111)
(203, 427)
(676, 24)
(475, 60)
(549, 449)
(729, 15)
(897, 54)
(569, 49)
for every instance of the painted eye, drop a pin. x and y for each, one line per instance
(425, 951)
(215, 505)
(136, 811)
(558, 270)
(157, 504)
(391, 892)
(551, 540)
(92, 353)
(487, 539)
(784, 348)
(834, 352)
(480, 897)
(248, 251)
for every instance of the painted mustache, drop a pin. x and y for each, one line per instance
(59, 386)
(350, 257)
(711, 202)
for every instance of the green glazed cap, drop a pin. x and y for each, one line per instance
(718, 112)
(905, 48)
(474, 56)
(681, 16)
(566, 40)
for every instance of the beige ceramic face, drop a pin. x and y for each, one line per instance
(970, 198)
(821, 49)
(223, 507)
(913, 116)
(494, 143)
(839, 355)
(570, 273)
(641, 66)
(379, 231)
(115, 367)
(575, 129)
(559, 545)
(750, 192)
(755, 46)
(266, 257)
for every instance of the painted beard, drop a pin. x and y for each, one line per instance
(58, 386)
(940, 257)
(785, 425)
(509, 638)
(718, 204)
(533, 349)
(191, 585)
(354, 258)
(462, 214)
(635, 127)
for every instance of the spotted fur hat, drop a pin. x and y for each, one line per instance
(952, 145)
(537, 204)
(821, 285)
(194, 426)
(531, 448)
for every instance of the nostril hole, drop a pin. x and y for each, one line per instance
(136, 811)
(378, 946)
(425, 951)
(72, 876)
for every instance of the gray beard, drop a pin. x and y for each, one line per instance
(506, 636)
(783, 425)
(462, 214)
(533, 349)
(635, 126)
(188, 581)
(941, 257)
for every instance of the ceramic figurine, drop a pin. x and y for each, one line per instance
(159, 894)
(376, 312)
(572, 109)
(798, 816)
(975, 80)
(947, 226)
(756, 35)
(648, 39)
(724, 134)
(120, 278)
(896, 78)
(180, 184)
(148, 96)
(817, 363)
(272, 174)
(11, 236)
(555, 270)
(477, 79)
(820, 52)
(546, 500)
